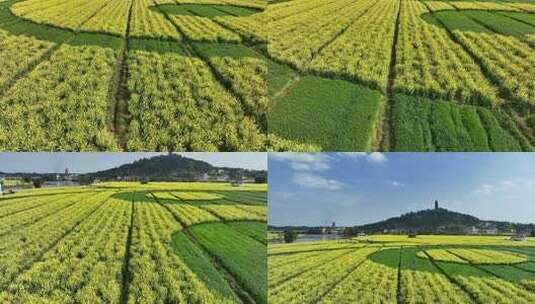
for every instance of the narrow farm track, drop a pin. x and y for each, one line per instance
(127, 276)
(239, 290)
(121, 94)
(383, 138)
(398, 286)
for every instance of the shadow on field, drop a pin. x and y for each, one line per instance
(407, 259)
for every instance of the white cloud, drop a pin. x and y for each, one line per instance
(398, 184)
(505, 186)
(315, 181)
(485, 189)
(374, 157)
(377, 157)
(304, 161)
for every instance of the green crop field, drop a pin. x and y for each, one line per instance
(403, 75)
(132, 243)
(135, 75)
(398, 269)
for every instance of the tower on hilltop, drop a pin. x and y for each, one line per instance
(436, 204)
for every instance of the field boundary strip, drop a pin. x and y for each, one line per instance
(233, 282)
(119, 93)
(452, 279)
(398, 286)
(55, 242)
(125, 284)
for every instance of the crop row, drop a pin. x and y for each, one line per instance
(196, 195)
(349, 54)
(41, 209)
(422, 282)
(430, 64)
(207, 118)
(69, 14)
(286, 41)
(190, 215)
(16, 205)
(248, 78)
(309, 286)
(420, 124)
(486, 288)
(17, 53)
(245, 197)
(312, 246)
(147, 22)
(361, 286)
(231, 212)
(83, 267)
(482, 256)
(112, 19)
(203, 29)
(441, 255)
(158, 274)
(277, 261)
(242, 256)
(62, 104)
(22, 247)
(302, 262)
(254, 230)
(291, 8)
(509, 61)
(253, 28)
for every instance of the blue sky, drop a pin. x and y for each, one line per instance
(90, 162)
(359, 188)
